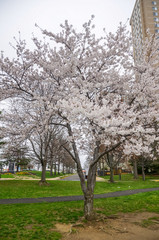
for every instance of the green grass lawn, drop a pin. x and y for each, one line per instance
(37, 221)
(7, 175)
(47, 175)
(27, 189)
(130, 177)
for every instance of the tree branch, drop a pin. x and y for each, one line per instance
(69, 152)
(104, 153)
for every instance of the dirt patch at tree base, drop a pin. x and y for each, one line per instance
(130, 226)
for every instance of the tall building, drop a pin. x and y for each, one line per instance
(145, 16)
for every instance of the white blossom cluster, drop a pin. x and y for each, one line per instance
(88, 86)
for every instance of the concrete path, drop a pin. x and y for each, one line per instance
(75, 198)
(75, 177)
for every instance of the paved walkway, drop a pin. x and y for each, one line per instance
(75, 177)
(75, 198)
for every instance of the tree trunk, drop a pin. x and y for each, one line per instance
(58, 168)
(111, 165)
(51, 169)
(99, 165)
(119, 173)
(88, 194)
(135, 169)
(17, 167)
(143, 170)
(119, 176)
(88, 197)
(103, 167)
(88, 206)
(55, 169)
(88, 188)
(43, 177)
(111, 174)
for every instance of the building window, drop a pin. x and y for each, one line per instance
(154, 3)
(154, 8)
(156, 19)
(157, 25)
(157, 30)
(155, 13)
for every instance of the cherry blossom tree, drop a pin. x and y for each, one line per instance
(54, 148)
(90, 85)
(113, 159)
(57, 155)
(22, 124)
(18, 156)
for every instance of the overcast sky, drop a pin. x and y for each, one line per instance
(21, 15)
